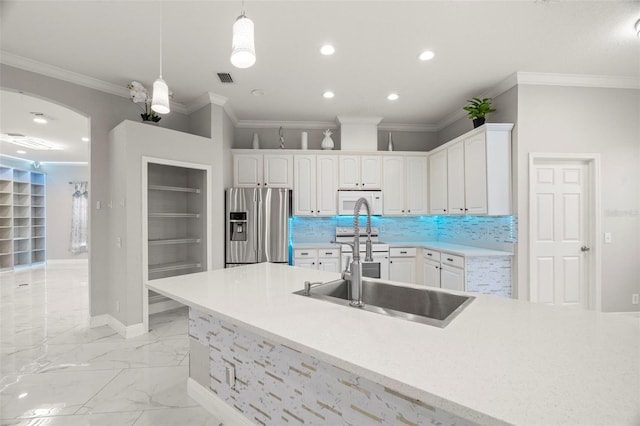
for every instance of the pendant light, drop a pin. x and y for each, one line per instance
(243, 51)
(160, 99)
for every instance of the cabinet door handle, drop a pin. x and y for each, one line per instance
(363, 184)
(444, 210)
(409, 211)
(265, 184)
(319, 263)
(258, 183)
(462, 209)
(466, 210)
(391, 261)
(402, 211)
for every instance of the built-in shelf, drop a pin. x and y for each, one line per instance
(177, 215)
(174, 241)
(173, 266)
(174, 188)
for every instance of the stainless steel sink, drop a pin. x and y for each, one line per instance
(421, 305)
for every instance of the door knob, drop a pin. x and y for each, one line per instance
(585, 248)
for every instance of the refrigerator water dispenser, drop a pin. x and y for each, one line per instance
(238, 226)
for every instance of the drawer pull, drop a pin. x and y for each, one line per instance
(429, 254)
(327, 252)
(403, 252)
(304, 253)
(449, 259)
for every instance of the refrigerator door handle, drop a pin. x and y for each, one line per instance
(260, 221)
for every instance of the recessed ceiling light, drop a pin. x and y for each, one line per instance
(21, 151)
(85, 139)
(327, 49)
(328, 94)
(257, 92)
(426, 55)
(393, 96)
(39, 118)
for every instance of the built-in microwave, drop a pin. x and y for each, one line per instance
(347, 201)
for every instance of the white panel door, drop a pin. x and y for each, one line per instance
(327, 185)
(393, 188)
(416, 185)
(438, 182)
(455, 178)
(402, 269)
(475, 174)
(247, 170)
(431, 273)
(349, 172)
(370, 172)
(559, 223)
(278, 171)
(305, 263)
(304, 185)
(451, 278)
(331, 264)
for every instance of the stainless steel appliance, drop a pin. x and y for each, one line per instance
(257, 225)
(347, 201)
(379, 267)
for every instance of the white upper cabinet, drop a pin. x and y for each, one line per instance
(315, 185)
(247, 170)
(473, 172)
(438, 182)
(405, 185)
(360, 172)
(258, 170)
(455, 178)
(475, 175)
(327, 185)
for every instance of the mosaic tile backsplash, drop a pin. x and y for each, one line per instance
(460, 229)
(278, 385)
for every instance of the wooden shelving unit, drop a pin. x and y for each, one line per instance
(22, 218)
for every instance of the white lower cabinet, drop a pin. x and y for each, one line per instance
(324, 259)
(402, 264)
(443, 270)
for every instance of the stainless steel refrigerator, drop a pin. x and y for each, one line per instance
(257, 228)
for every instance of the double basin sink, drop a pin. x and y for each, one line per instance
(421, 305)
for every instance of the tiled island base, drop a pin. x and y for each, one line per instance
(276, 385)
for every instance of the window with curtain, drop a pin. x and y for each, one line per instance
(80, 200)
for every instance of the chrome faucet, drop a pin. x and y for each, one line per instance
(356, 266)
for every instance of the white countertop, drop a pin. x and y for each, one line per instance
(499, 361)
(461, 250)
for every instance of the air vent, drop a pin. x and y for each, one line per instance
(225, 77)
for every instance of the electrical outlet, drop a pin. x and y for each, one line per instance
(117, 306)
(98, 205)
(118, 242)
(607, 238)
(635, 299)
(230, 375)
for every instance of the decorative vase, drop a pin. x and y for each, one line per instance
(477, 122)
(327, 142)
(390, 147)
(256, 141)
(304, 140)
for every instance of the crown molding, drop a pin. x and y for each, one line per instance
(37, 67)
(578, 80)
(211, 98)
(401, 127)
(268, 124)
(358, 120)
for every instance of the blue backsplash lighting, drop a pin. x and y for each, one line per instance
(471, 230)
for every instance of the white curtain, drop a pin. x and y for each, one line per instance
(80, 200)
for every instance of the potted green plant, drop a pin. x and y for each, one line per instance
(478, 109)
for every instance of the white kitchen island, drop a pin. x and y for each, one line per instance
(500, 361)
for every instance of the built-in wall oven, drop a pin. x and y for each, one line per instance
(379, 266)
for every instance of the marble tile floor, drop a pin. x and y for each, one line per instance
(55, 370)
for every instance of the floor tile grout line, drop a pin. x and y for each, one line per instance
(99, 390)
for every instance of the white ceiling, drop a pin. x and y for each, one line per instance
(477, 45)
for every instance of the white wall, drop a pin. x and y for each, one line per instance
(105, 112)
(58, 208)
(554, 119)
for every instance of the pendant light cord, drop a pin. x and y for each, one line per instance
(161, 16)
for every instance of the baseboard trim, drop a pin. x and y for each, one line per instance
(216, 406)
(125, 331)
(165, 305)
(635, 314)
